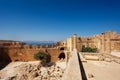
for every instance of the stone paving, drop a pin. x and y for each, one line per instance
(72, 71)
(102, 70)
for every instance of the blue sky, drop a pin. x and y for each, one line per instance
(57, 19)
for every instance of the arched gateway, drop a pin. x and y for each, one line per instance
(61, 56)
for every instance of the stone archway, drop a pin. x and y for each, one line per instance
(62, 48)
(62, 56)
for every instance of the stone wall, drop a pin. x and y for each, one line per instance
(104, 42)
(17, 51)
(101, 57)
(17, 54)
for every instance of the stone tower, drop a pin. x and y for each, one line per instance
(69, 44)
(108, 42)
(74, 41)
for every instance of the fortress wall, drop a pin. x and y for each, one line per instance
(17, 54)
(54, 53)
(26, 53)
(104, 42)
(4, 57)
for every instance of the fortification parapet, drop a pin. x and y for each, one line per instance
(25, 46)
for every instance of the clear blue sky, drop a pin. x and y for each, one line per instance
(57, 19)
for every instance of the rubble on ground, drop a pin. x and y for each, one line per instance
(31, 71)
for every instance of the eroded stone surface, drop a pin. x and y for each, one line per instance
(31, 71)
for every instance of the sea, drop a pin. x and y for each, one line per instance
(41, 43)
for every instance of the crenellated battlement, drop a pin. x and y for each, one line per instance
(105, 42)
(25, 46)
(18, 51)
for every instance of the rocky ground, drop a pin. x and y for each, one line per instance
(32, 71)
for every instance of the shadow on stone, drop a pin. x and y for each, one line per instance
(48, 64)
(4, 60)
(83, 74)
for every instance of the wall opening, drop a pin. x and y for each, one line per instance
(61, 56)
(62, 48)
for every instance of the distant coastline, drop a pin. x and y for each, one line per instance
(43, 43)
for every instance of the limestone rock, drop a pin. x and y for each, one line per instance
(90, 75)
(108, 59)
(32, 71)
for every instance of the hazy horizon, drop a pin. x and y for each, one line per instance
(53, 20)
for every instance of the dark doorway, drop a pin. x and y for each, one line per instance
(62, 48)
(61, 56)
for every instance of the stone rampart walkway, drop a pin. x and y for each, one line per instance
(73, 69)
